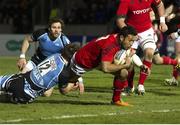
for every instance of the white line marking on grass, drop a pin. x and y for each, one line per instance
(87, 115)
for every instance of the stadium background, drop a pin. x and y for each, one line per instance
(84, 20)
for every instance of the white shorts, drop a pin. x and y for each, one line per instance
(78, 70)
(147, 40)
(178, 39)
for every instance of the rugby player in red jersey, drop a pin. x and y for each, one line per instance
(99, 53)
(137, 14)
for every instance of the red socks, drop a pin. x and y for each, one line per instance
(118, 86)
(175, 72)
(130, 78)
(144, 75)
(169, 61)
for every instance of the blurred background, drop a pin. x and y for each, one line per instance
(24, 16)
(84, 20)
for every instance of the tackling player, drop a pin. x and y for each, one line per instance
(24, 88)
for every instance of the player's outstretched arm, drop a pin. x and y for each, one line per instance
(22, 58)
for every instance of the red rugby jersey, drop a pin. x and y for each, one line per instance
(101, 49)
(137, 13)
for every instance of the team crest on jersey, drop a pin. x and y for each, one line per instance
(53, 64)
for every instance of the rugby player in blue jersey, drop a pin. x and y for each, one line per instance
(51, 40)
(25, 87)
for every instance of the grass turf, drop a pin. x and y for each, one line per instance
(160, 104)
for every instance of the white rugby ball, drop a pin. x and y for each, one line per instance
(120, 56)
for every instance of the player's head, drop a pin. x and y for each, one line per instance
(55, 26)
(69, 50)
(126, 36)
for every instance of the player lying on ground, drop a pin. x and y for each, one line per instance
(24, 88)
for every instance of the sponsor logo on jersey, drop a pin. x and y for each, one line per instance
(53, 64)
(137, 12)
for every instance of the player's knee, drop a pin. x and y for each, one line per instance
(123, 74)
(157, 60)
(149, 53)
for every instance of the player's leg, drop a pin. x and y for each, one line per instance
(20, 89)
(3, 81)
(4, 96)
(13, 87)
(148, 45)
(148, 55)
(174, 79)
(119, 83)
(164, 60)
(130, 88)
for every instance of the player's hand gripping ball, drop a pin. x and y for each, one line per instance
(120, 56)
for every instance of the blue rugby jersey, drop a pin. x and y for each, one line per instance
(47, 74)
(47, 46)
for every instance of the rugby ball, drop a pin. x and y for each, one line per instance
(120, 56)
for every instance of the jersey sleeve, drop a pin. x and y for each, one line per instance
(123, 8)
(36, 34)
(65, 40)
(108, 54)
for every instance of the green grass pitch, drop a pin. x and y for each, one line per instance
(160, 104)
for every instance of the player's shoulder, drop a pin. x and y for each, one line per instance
(64, 38)
(111, 39)
(39, 32)
(113, 36)
(63, 35)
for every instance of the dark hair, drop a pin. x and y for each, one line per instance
(69, 50)
(55, 20)
(125, 31)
